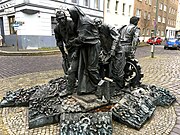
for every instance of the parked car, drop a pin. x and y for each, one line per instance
(172, 43)
(153, 40)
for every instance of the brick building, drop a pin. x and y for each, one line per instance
(166, 17)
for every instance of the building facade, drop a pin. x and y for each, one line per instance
(30, 23)
(165, 22)
(118, 12)
(178, 18)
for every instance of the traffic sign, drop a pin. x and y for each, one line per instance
(15, 25)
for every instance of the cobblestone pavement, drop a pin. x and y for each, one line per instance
(17, 65)
(163, 71)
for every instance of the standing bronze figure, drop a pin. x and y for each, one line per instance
(64, 32)
(87, 44)
(129, 36)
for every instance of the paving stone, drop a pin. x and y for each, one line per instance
(177, 126)
(173, 133)
(176, 130)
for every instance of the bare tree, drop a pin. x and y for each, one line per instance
(145, 22)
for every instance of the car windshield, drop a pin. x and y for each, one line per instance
(172, 40)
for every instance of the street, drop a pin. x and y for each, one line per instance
(25, 71)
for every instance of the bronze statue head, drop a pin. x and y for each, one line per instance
(61, 17)
(75, 12)
(134, 20)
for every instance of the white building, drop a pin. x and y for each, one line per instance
(118, 12)
(36, 20)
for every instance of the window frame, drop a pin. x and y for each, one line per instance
(123, 8)
(96, 4)
(116, 6)
(88, 3)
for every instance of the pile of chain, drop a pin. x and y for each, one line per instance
(136, 108)
(22, 97)
(19, 98)
(46, 102)
(160, 96)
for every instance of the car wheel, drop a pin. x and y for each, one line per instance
(165, 48)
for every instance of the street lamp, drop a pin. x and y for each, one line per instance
(155, 30)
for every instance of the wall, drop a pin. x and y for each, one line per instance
(117, 18)
(178, 17)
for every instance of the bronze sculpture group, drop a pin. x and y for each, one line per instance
(99, 50)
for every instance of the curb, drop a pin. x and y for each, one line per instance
(31, 53)
(37, 53)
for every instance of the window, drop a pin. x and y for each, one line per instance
(53, 24)
(86, 3)
(138, 12)
(147, 32)
(130, 10)
(143, 31)
(74, 1)
(123, 10)
(154, 9)
(160, 6)
(172, 10)
(165, 8)
(158, 32)
(163, 20)
(145, 14)
(146, 1)
(11, 20)
(150, 2)
(169, 9)
(96, 4)
(116, 7)
(149, 16)
(108, 4)
(159, 18)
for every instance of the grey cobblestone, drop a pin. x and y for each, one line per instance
(17, 65)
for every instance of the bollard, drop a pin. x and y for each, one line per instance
(152, 50)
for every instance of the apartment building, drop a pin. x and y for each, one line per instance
(118, 12)
(178, 18)
(165, 22)
(31, 22)
(171, 18)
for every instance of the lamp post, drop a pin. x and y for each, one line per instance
(155, 30)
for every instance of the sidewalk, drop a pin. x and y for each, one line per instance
(12, 51)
